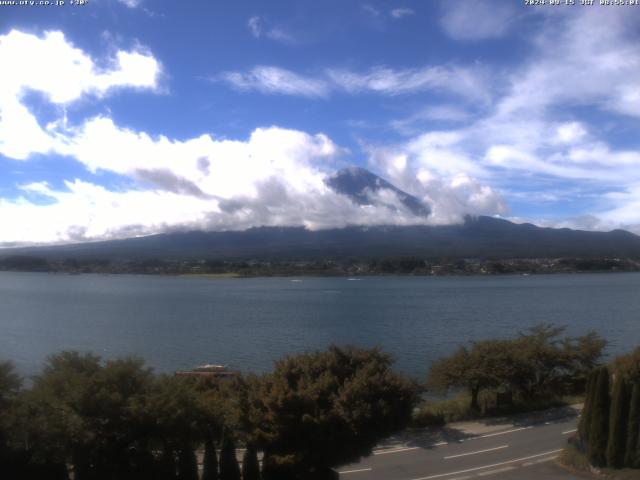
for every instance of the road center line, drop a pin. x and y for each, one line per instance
(396, 450)
(440, 475)
(499, 433)
(355, 471)
(570, 431)
(476, 452)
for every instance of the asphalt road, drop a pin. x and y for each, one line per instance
(524, 452)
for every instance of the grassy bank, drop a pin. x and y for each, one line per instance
(431, 413)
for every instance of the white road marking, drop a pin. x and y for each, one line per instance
(542, 460)
(396, 450)
(355, 471)
(570, 431)
(498, 433)
(440, 475)
(475, 453)
(440, 443)
(498, 470)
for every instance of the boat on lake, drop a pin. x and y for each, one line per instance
(209, 371)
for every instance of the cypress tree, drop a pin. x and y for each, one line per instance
(632, 450)
(599, 422)
(229, 468)
(585, 418)
(618, 420)
(250, 465)
(210, 467)
(187, 463)
(167, 465)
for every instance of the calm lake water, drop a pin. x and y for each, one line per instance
(180, 322)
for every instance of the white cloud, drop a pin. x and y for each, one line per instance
(466, 82)
(255, 26)
(470, 83)
(569, 133)
(478, 19)
(63, 74)
(131, 3)
(371, 10)
(274, 178)
(436, 176)
(414, 124)
(274, 80)
(279, 35)
(259, 26)
(401, 12)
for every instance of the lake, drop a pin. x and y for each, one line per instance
(180, 322)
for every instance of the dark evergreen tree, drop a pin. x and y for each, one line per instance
(618, 419)
(187, 463)
(632, 450)
(210, 467)
(599, 424)
(229, 468)
(250, 465)
(585, 417)
(167, 465)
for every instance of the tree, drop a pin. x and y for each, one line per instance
(540, 361)
(56, 406)
(187, 463)
(327, 408)
(599, 425)
(585, 417)
(618, 424)
(583, 356)
(169, 416)
(632, 448)
(10, 383)
(210, 462)
(487, 364)
(250, 465)
(628, 366)
(12, 455)
(229, 468)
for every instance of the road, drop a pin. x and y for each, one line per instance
(520, 452)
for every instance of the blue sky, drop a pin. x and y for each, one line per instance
(130, 117)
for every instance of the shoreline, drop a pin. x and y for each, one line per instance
(355, 276)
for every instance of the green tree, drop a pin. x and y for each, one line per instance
(326, 408)
(599, 426)
(583, 355)
(81, 411)
(13, 456)
(250, 465)
(585, 418)
(486, 364)
(10, 384)
(229, 468)
(58, 427)
(618, 424)
(632, 448)
(628, 366)
(169, 415)
(540, 361)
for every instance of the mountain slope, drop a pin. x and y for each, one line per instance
(476, 237)
(361, 186)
